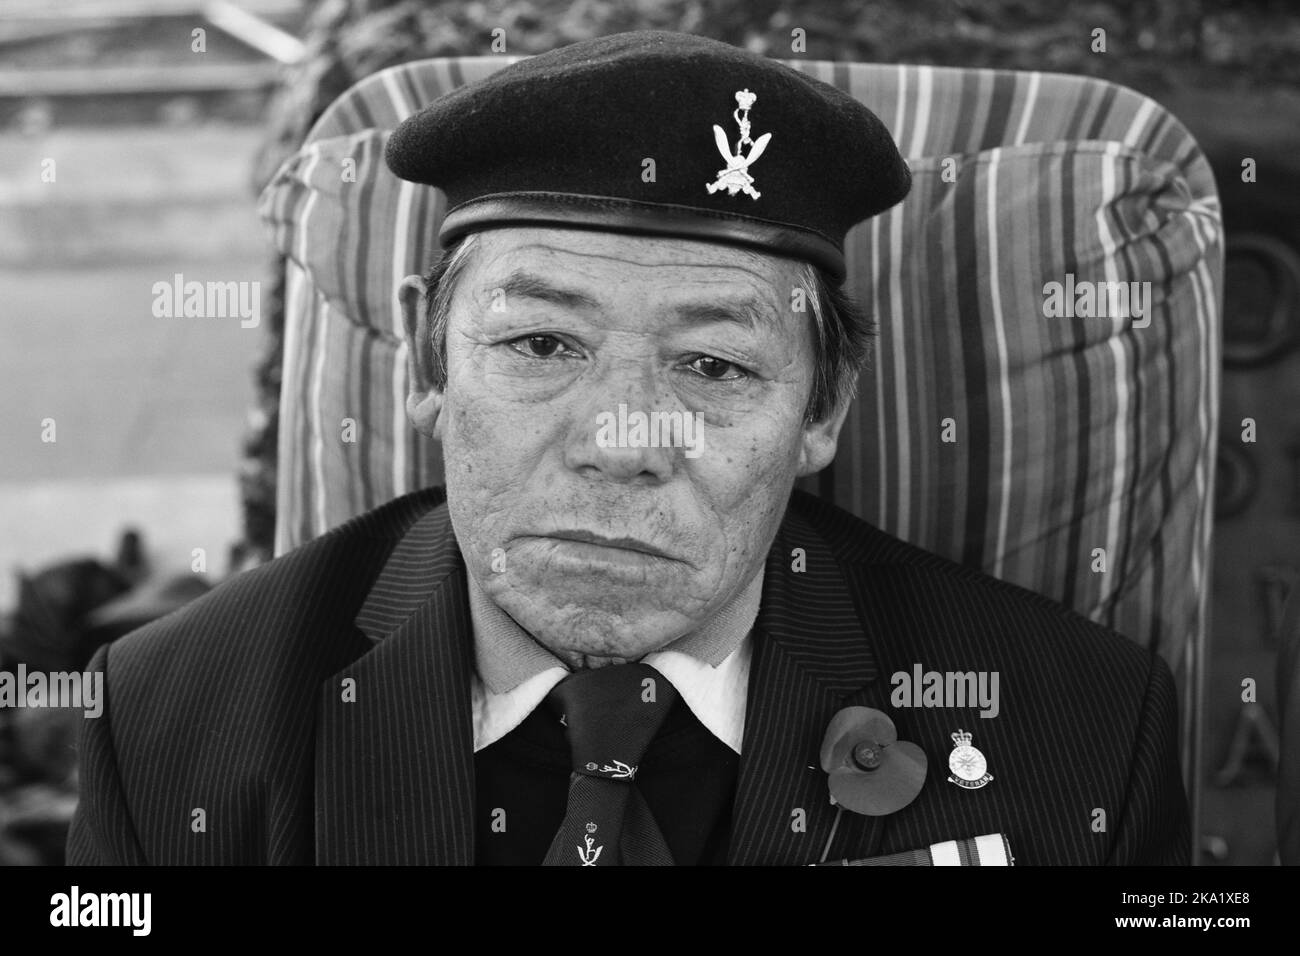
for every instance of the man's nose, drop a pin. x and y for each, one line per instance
(613, 435)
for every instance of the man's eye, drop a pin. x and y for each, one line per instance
(716, 369)
(537, 346)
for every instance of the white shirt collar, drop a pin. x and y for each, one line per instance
(715, 695)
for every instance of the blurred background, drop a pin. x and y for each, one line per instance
(138, 463)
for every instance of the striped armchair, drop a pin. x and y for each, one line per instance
(1017, 416)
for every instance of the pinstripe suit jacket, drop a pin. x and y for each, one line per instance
(227, 738)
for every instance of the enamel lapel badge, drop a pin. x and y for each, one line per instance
(735, 178)
(970, 769)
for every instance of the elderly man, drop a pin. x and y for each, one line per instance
(619, 636)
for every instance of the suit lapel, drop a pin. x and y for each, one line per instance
(811, 653)
(394, 747)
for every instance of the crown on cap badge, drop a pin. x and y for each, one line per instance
(735, 178)
(969, 768)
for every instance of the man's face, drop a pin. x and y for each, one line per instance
(600, 544)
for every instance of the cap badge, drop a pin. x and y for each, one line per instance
(735, 178)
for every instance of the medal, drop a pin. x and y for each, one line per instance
(970, 769)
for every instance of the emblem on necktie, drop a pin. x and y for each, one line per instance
(590, 853)
(968, 765)
(735, 178)
(620, 770)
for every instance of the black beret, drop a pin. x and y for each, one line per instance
(562, 138)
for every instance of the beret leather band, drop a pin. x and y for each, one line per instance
(608, 214)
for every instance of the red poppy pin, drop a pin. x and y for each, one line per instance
(870, 770)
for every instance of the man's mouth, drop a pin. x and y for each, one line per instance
(618, 543)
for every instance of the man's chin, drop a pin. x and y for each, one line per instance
(608, 645)
(585, 634)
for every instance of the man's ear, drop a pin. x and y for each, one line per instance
(819, 440)
(423, 401)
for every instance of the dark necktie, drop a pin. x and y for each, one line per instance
(610, 714)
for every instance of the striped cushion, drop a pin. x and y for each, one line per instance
(1071, 444)
(1070, 434)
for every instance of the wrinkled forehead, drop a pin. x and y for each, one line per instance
(599, 266)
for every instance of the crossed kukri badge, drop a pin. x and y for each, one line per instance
(735, 178)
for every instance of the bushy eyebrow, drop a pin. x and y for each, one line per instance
(525, 285)
(749, 313)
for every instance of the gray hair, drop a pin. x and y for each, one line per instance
(842, 333)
